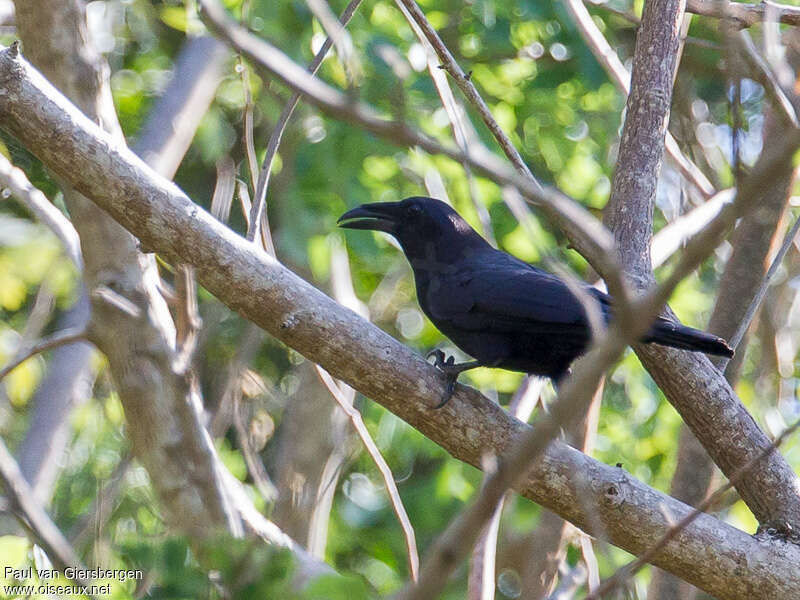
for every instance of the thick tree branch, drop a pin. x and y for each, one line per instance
(721, 559)
(752, 243)
(711, 410)
(162, 406)
(160, 403)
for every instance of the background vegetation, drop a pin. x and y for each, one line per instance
(562, 112)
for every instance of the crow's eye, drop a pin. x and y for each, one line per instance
(413, 211)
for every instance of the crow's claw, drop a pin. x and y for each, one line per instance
(439, 357)
(451, 370)
(446, 364)
(448, 391)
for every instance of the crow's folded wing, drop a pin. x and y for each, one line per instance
(510, 296)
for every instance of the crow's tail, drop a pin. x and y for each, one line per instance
(676, 335)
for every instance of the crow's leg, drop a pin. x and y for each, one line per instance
(559, 378)
(451, 370)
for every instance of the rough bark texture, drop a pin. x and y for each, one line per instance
(753, 242)
(725, 561)
(164, 140)
(546, 547)
(161, 407)
(695, 388)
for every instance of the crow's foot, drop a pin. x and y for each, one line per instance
(451, 370)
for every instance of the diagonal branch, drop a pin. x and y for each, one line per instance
(14, 180)
(386, 473)
(608, 59)
(586, 234)
(258, 207)
(247, 280)
(60, 338)
(48, 534)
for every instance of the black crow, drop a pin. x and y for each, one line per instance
(498, 309)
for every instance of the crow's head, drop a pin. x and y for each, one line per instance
(426, 228)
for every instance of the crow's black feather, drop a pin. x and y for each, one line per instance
(498, 309)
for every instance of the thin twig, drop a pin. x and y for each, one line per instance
(744, 324)
(772, 161)
(634, 20)
(15, 181)
(254, 464)
(59, 338)
(252, 162)
(222, 199)
(512, 468)
(341, 39)
(609, 60)
(480, 584)
(586, 233)
(98, 514)
(670, 238)
(629, 325)
(187, 321)
(631, 568)
(464, 82)
(45, 531)
(288, 308)
(461, 126)
(764, 74)
(386, 473)
(258, 207)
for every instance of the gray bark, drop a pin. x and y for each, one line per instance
(727, 562)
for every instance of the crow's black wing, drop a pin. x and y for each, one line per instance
(498, 293)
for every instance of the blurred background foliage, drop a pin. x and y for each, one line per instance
(562, 112)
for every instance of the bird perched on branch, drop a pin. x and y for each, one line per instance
(498, 309)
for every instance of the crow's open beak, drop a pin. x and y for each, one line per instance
(378, 216)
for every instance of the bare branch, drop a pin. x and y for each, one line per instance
(631, 569)
(385, 471)
(670, 238)
(464, 83)
(458, 121)
(480, 584)
(762, 290)
(258, 209)
(512, 468)
(43, 528)
(350, 349)
(254, 465)
(585, 232)
(341, 39)
(609, 60)
(766, 77)
(15, 181)
(59, 338)
(134, 330)
(744, 15)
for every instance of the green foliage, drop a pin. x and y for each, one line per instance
(545, 88)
